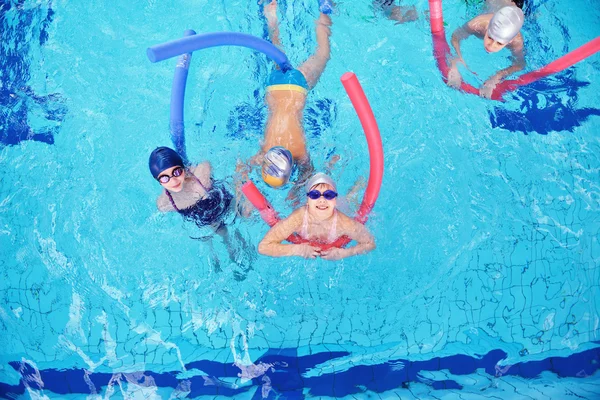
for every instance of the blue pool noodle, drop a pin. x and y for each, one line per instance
(192, 43)
(177, 101)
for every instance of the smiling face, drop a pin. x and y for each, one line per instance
(491, 45)
(175, 183)
(321, 208)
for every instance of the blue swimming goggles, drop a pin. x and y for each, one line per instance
(328, 194)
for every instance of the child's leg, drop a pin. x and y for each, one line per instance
(212, 256)
(315, 65)
(240, 252)
(270, 12)
(223, 232)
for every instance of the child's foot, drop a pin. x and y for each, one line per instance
(324, 19)
(270, 13)
(326, 6)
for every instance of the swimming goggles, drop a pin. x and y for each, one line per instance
(177, 172)
(328, 194)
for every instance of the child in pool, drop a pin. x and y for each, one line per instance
(499, 28)
(318, 221)
(286, 99)
(192, 193)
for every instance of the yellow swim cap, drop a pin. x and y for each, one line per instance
(277, 166)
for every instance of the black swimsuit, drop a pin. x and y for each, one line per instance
(209, 210)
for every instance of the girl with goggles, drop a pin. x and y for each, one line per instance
(193, 194)
(318, 221)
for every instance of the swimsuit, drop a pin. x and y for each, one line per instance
(332, 233)
(210, 210)
(290, 80)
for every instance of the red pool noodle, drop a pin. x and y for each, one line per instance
(266, 210)
(561, 64)
(369, 124)
(441, 51)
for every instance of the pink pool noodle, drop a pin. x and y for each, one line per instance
(561, 64)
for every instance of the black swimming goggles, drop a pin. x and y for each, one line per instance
(177, 172)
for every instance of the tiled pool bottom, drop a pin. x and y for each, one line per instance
(283, 374)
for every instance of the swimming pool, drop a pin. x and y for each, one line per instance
(485, 279)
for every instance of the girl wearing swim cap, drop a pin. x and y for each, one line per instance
(192, 193)
(499, 28)
(189, 192)
(318, 221)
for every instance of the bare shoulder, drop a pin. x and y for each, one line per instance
(346, 223)
(296, 216)
(479, 24)
(201, 168)
(164, 204)
(516, 45)
(285, 227)
(203, 172)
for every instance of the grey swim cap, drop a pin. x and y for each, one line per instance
(318, 179)
(506, 24)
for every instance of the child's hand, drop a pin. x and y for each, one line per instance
(454, 78)
(270, 13)
(305, 250)
(488, 87)
(242, 169)
(333, 253)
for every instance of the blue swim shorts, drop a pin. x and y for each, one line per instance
(290, 80)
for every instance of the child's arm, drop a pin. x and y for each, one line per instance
(270, 13)
(203, 172)
(461, 34)
(272, 245)
(355, 231)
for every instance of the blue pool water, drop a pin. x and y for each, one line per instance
(485, 280)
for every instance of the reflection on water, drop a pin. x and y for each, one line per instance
(25, 114)
(549, 105)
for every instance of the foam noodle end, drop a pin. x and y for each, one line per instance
(348, 76)
(151, 55)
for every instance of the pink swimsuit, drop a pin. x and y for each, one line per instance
(332, 233)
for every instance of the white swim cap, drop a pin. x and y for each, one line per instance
(318, 179)
(277, 166)
(506, 24)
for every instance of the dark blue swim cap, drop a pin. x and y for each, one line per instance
(163, 158)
